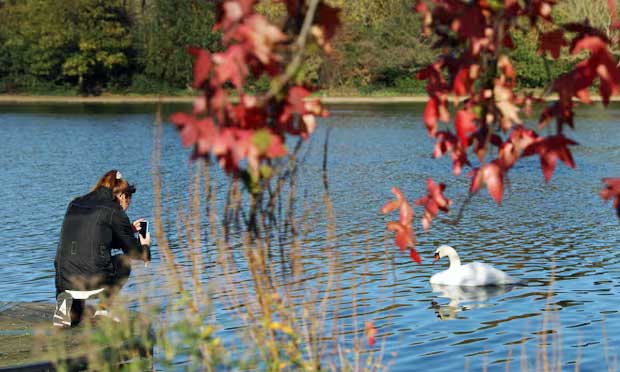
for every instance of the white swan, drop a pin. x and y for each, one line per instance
(472, 274)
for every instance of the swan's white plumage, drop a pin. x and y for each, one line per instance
(472, 274)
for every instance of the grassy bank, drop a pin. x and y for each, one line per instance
(325, 96)
(113, 99)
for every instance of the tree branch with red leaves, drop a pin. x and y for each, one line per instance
(475, 72)
(246, 133)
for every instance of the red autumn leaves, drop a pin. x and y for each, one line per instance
(402, 229)
(612, 191)
(488, 121)
(247, 133)
(433, 202)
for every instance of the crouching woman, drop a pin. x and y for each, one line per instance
(93, 225)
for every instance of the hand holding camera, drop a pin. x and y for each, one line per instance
(142, 227)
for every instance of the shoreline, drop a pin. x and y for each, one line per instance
(119, 99)
(19, 99)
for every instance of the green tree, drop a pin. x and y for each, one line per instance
(166, 28)
(86, 42)
(100, 45)
(31, 43)
(379, 46)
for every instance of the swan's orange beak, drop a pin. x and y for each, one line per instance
(436, 258)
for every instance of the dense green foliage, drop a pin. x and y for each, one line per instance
(91, 46)
(139, 46)
(380, 46)
(535, 71)
(85, 44)
(165, 27)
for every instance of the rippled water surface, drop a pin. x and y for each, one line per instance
(560, 238)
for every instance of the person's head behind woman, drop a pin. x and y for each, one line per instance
(121, 189)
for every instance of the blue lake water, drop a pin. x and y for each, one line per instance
(558, 237)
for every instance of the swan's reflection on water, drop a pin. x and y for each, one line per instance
(463, 298)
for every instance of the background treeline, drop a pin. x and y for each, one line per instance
(139, 46)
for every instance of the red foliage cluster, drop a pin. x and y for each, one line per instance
(489, 117)
(404, 236)
(254, 127)
(474, 69)
(480, 69)
(433, 202)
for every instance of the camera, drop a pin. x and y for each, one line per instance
(144, 228)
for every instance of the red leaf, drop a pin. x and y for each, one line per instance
(462, 81)
(447, 142)
(471, 24)
(189, 135)
(612, 190)
(431, 114)
(562, 111)
(435, 191)
(464, 125)
(592, 43)
(404, 234)
(181, 118)
(406, 213)
(276, 148)
(601, 63)
(207, 132)
(261, 36)
(552, 42)
(508, 155)
(510, 151)
(231, 12)
(414, 255)
(231, 66)
(371, 333)
(522, 137)
(508, 43)
(433, 202)
(420, 7)
(550, 149)
(202, 65)
(427, 216)
(390, 206)
(491, 175)
(436, 83)
(328, 18)
(186, 124)
(402, 227)
(575, 83)
(296, 96)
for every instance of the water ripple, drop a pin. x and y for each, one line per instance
(558, 237)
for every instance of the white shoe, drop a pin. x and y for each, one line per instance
(62, 314)
(107, 314)
(84, 295)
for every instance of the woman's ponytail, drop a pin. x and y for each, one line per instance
(114, 181)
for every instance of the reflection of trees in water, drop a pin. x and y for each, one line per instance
(472, 297)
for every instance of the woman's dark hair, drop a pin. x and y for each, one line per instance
(115, 182)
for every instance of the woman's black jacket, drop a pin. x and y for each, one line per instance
(93, 225)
